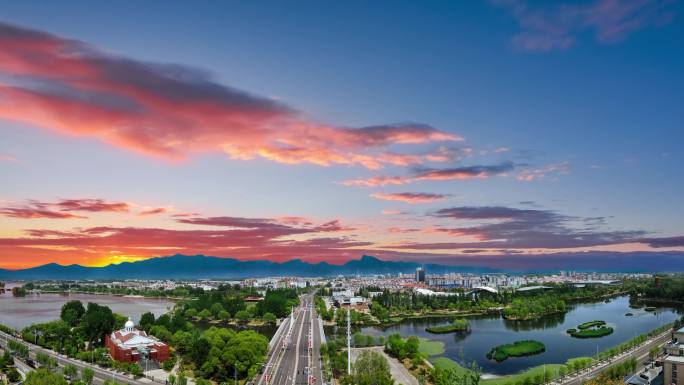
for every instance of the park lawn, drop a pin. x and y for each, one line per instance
(431, 347)
(448, 363)
(531, 373)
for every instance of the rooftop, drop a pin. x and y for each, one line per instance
(676, 359)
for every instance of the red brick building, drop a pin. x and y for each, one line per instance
(131, 345)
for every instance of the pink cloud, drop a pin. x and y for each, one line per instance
(92, 205)
(62, 209)
(35, 213)
(172, 111)
(155, 211)
(408, 197)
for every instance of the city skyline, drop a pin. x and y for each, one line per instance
(498, 133)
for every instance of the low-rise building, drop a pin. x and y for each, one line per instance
(132, 345)
(673, 364)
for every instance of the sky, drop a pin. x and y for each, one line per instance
(503, 133)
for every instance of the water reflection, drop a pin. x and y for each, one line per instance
(550, 321)
(489, 331)
(19, 312)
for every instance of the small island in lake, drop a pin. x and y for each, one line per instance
(459, 325)
(591, 329)
(516, 349)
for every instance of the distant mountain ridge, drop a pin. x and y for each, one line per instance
(206, 267)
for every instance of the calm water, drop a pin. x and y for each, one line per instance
(18, 312)
(488, 332)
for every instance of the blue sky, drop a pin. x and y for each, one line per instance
(587, 94)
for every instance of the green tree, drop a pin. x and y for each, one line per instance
(216, 309)
(98, 322)
(204, 314)
(371, 368)
(242, 316)
(199, 351)
(87, 375)
(70, 371)
(146, 321)
(224, 315)
(72, 312)
(270, 318)
(136, 370)
(172, 379)
(44, 377)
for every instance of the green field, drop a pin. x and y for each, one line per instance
(516, 349)
(431, 347)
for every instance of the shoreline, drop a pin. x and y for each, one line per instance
(61, 292)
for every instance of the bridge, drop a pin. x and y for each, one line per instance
(294, 357)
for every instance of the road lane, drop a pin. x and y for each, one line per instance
(291, 363)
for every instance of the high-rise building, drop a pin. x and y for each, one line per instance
(420, 274)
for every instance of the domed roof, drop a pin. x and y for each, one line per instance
(129, 325)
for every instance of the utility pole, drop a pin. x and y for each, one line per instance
(348, 341)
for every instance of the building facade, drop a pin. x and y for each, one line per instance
(673, 365)
(420, 274)
(132, 345)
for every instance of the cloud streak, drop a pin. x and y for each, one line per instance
(172, 111)
(513, 228)
(433, 174)
(62, 209)
(410, 197)
(557, 26)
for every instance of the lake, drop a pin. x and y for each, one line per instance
(488, 332)
(19, 312)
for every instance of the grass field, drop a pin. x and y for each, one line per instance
(536, 373)
(532, 373)
(431, 347)
(447, 363)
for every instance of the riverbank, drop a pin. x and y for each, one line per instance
(552, 371)
(68, 292)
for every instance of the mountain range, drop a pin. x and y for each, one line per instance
(206, 267)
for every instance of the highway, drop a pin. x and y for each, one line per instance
(100, 374)
(295, 356)
(640, 353)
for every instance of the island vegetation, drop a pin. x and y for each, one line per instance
(591, 329)
(459, 325)
(534, 307)
(516, 349)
